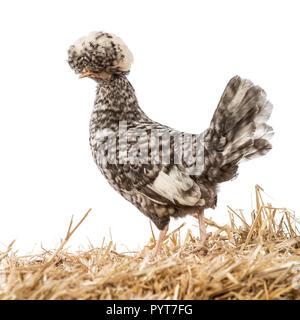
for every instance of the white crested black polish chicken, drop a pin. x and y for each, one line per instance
(157, 176)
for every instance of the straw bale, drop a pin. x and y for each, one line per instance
(257, 259)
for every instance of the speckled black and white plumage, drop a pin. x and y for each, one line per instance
(238, 131)
(100, 51)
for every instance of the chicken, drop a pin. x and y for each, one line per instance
(164, 172)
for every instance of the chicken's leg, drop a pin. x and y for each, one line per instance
(203, 234)
(202, 228)
(160, 240)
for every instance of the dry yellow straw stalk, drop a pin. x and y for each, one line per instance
(245, 260)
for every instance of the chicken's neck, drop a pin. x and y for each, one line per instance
(115, 101)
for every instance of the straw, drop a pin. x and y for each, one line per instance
(256, 259)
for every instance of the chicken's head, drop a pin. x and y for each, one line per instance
(99, 55)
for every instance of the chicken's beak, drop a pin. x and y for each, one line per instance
(100, 75)
(85, 73)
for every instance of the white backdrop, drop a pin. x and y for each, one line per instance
(185, 52)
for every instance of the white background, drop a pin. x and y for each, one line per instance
(185, 52)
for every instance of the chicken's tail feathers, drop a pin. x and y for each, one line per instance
(238, 130)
